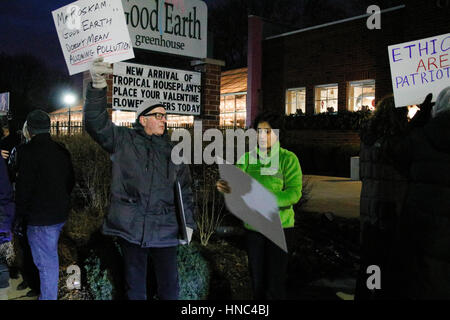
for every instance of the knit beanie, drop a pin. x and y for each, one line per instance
(38, 121)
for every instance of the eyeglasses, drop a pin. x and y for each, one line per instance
(157, 115)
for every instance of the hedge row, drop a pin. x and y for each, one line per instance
(343, 120)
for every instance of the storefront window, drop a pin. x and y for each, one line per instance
(361, 95)
(296, 101)
(326, 98)
(174, 120)
(233, 110)
(123, 118)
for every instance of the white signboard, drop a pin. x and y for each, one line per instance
(136, 86)
(418, 68)
(170, 26)
(88, 29)
(4, 103)
(252, 203)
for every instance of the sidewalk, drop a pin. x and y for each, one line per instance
(334, 194)
(14, 294)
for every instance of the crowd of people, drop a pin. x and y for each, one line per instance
(405, 199)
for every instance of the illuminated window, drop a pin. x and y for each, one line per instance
(233, 110)
(174, 120)
(295, 101)
(326, 98)
(361, 95)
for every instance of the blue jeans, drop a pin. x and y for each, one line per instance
(43, 242)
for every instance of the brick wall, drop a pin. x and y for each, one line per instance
(211, 71)
(338, 137)
(345, 52)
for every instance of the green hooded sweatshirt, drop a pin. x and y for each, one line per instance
(282, 178)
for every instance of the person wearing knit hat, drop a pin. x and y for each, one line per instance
(38, 122)
(152, 118)
(143, 209)
(45, 179)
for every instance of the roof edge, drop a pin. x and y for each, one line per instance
(334, 22)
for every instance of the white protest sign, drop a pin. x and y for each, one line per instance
(91, 28)
(4, 102)
(136, 86)
(171, 26)
(418, 68)
(252, 203)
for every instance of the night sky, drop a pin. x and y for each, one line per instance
(27, 27)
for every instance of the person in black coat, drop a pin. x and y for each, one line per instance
(423, 255)
(44, 182)
(142, 212)
(7, 209)
(382, 195)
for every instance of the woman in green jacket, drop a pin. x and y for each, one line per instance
(278, 170)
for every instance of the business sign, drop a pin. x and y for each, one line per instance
(4, 103)
(136, 86)
(170, 26)
(418, 68)
(88, 29)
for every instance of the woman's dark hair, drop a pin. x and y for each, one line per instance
(275, 120)
(387, 120)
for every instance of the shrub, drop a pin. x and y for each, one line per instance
(193, 272)
(343, 120)
(99, 284)
(209, 203)
(92, 171)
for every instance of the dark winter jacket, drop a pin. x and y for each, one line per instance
(9, 143)
(7, 207)
(142, 208)
(382, 195)
(44, 182)
(424, 253)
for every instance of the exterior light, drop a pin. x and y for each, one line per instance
(69, 99)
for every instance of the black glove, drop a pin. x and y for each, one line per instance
(18, 227)
(424, 114)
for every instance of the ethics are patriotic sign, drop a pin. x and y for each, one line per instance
(418, 68)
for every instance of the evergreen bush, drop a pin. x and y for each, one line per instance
(193, 272)
(98, 280)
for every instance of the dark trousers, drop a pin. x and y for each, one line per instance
(164, 261)
(267, 265)
(29, 271)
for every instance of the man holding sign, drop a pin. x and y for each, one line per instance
(142, 210)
